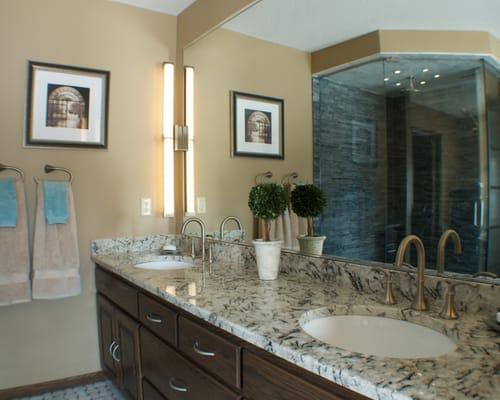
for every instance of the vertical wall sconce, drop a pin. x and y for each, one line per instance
(189, 121)
(168, 140)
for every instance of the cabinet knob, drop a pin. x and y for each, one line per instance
(175, 387)
(196, 348)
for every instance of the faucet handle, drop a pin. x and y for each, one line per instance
(449, 310)
(389, 294)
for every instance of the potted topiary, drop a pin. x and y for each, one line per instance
(308, 201)
(267, 201)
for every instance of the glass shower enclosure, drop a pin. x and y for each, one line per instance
(410, 145)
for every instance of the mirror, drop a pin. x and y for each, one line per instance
(401, 143)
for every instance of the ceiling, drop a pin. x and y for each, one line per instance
(172, 7)
(310, 25)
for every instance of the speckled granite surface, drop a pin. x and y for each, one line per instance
(268, 315)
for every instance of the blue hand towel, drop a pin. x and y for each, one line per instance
(55, 197)
(8, 203)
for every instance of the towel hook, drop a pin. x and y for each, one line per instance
(4, 167)
(289, 178)
(51, 168)
(260, 177)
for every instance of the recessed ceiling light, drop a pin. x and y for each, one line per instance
(397, 72)
(398, 84)
(437, 76)
(386, 79)
(425, 70)
(423, 82)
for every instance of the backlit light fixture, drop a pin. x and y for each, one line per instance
(168, 140)
(189, 121)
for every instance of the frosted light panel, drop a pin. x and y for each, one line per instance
(189, 115)
(168, 140)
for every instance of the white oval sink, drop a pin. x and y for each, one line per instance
(164, 265)
(379, 336)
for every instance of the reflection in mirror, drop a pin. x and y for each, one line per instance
(401, 146)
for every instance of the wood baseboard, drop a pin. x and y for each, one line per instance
(51, 386)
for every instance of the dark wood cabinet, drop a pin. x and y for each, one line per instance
(105, 320)
(210, 351)
(156, 351)
(176, 377)
(119, 347)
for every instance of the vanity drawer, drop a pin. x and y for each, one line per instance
(263, 380)
(117, 291)
(211, 351)
(158, 318)
(149, 392)
(174, 376)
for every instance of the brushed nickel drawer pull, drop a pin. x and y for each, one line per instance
(113, 353)
(173, 386)
(196, 348)
(154, 318)
(110, 349)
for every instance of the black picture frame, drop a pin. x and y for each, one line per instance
(238, 133)
(34, 140)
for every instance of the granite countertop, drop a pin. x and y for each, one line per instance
(268, 315)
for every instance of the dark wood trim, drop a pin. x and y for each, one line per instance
(59, 384)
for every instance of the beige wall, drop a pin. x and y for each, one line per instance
(226, 61)
(46, 340)
(404, 41)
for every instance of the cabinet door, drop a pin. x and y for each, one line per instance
(107, 342)
(128, 354)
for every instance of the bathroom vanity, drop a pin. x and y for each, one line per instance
(218, 329)
(155, 350)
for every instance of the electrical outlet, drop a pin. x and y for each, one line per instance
(146, 207)
(201, 205)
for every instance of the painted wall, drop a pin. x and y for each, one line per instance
(46, 340)
(226, 61)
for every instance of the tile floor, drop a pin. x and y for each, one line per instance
(104, 390)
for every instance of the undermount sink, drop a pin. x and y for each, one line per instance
(165, 265)
(379, 336)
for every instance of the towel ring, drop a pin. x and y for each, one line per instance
(260, 177)
(289, 178)
(4, 167)
(51, 168)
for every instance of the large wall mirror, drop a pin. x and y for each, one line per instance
(401, 142)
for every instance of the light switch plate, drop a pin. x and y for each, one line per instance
(146, 207)
(201, 205)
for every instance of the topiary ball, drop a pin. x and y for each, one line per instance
(267, 201)
(308, 201)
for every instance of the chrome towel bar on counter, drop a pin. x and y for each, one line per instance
(51, 168)
(4, 167)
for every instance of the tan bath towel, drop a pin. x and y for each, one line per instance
(15, 285)
(56, 260)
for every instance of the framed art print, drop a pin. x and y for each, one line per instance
(67, 106)
(258, 126)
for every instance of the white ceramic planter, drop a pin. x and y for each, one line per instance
(312, 245)
(268, 256)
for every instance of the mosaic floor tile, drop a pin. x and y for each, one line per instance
(104, 390)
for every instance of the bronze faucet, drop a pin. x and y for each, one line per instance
(450, 233)
(419, 303)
